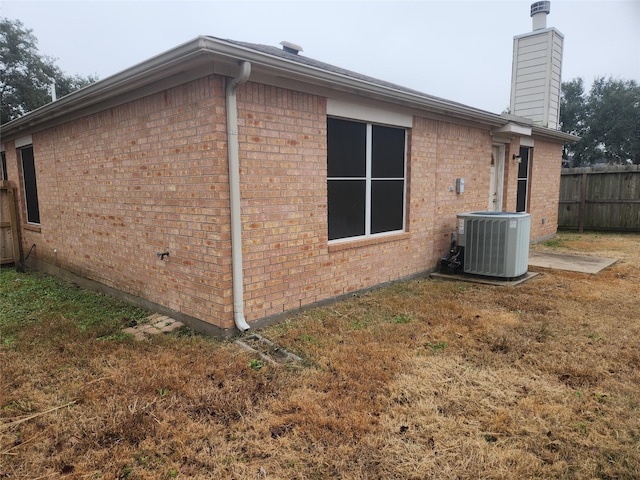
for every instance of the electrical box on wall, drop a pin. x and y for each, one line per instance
(459, 185)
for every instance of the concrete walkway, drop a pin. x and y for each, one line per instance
(563, 261)
(558, 261)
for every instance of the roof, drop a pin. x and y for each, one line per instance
(278, 52)
(207, 55)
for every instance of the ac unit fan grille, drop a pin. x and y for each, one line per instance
(486, 244)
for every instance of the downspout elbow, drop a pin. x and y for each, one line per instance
(234, 195)
(242, 77)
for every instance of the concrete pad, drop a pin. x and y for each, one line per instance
(159, 324)
(563, 261)
(153, 317)
(161, 321)
(170, 327)
(484, 280)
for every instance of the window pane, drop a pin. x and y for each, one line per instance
(387, 156)
(523, 167)
(346, 148)
(346, 205)
(30, 187)
(3, 167)
(387, 205)
(521, 202)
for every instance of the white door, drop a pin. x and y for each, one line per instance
(496, 178)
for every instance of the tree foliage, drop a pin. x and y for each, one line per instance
(26, 75)
(607, 119)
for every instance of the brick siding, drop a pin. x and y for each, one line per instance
(117, 186)
(544, 194)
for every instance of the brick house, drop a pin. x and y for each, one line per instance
(273, 181)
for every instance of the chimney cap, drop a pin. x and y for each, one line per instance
(291, 47)
(540, 7)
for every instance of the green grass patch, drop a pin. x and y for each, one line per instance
(402, 319)
(554, 243)
(436, 346)
(32, 300)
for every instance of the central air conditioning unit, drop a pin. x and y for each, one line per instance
(495, 244)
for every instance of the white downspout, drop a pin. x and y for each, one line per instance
(234, 195)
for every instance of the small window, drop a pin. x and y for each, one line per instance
(522, 200)
(3, 166)
(30, 185)
(365, 179)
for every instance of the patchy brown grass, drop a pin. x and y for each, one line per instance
(423, 379)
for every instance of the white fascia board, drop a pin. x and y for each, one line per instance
(555, 136)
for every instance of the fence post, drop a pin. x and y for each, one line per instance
(9, 241)
(583, 202)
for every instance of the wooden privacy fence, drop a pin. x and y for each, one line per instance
(9, 244)
(600, 198)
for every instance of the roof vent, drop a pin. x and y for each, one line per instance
(291, 47)
(539, 12)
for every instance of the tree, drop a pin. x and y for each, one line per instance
(614, 120)
(572, 112)
(26, 75)
(607, 119)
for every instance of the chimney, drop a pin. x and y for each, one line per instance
(291, 47)
(537, 68)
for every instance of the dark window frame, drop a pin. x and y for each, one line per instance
(376, 205)
(524, 179)
(30, 184)
(3, 166)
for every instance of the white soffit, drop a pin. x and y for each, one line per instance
(367, 113)
(512, 128)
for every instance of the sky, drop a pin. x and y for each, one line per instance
(457, 50)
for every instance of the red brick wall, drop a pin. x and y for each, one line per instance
(118, 186)
(287, 260)
(463, 152)
(544, 186)
(545, 189)
(283, 164)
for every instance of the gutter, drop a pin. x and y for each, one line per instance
(554, 135)
(234, 195)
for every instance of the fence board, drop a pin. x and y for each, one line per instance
(9, 243)
(600, 198)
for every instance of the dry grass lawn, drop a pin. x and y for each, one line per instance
(423, 379)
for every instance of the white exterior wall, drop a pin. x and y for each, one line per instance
(536, 76)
